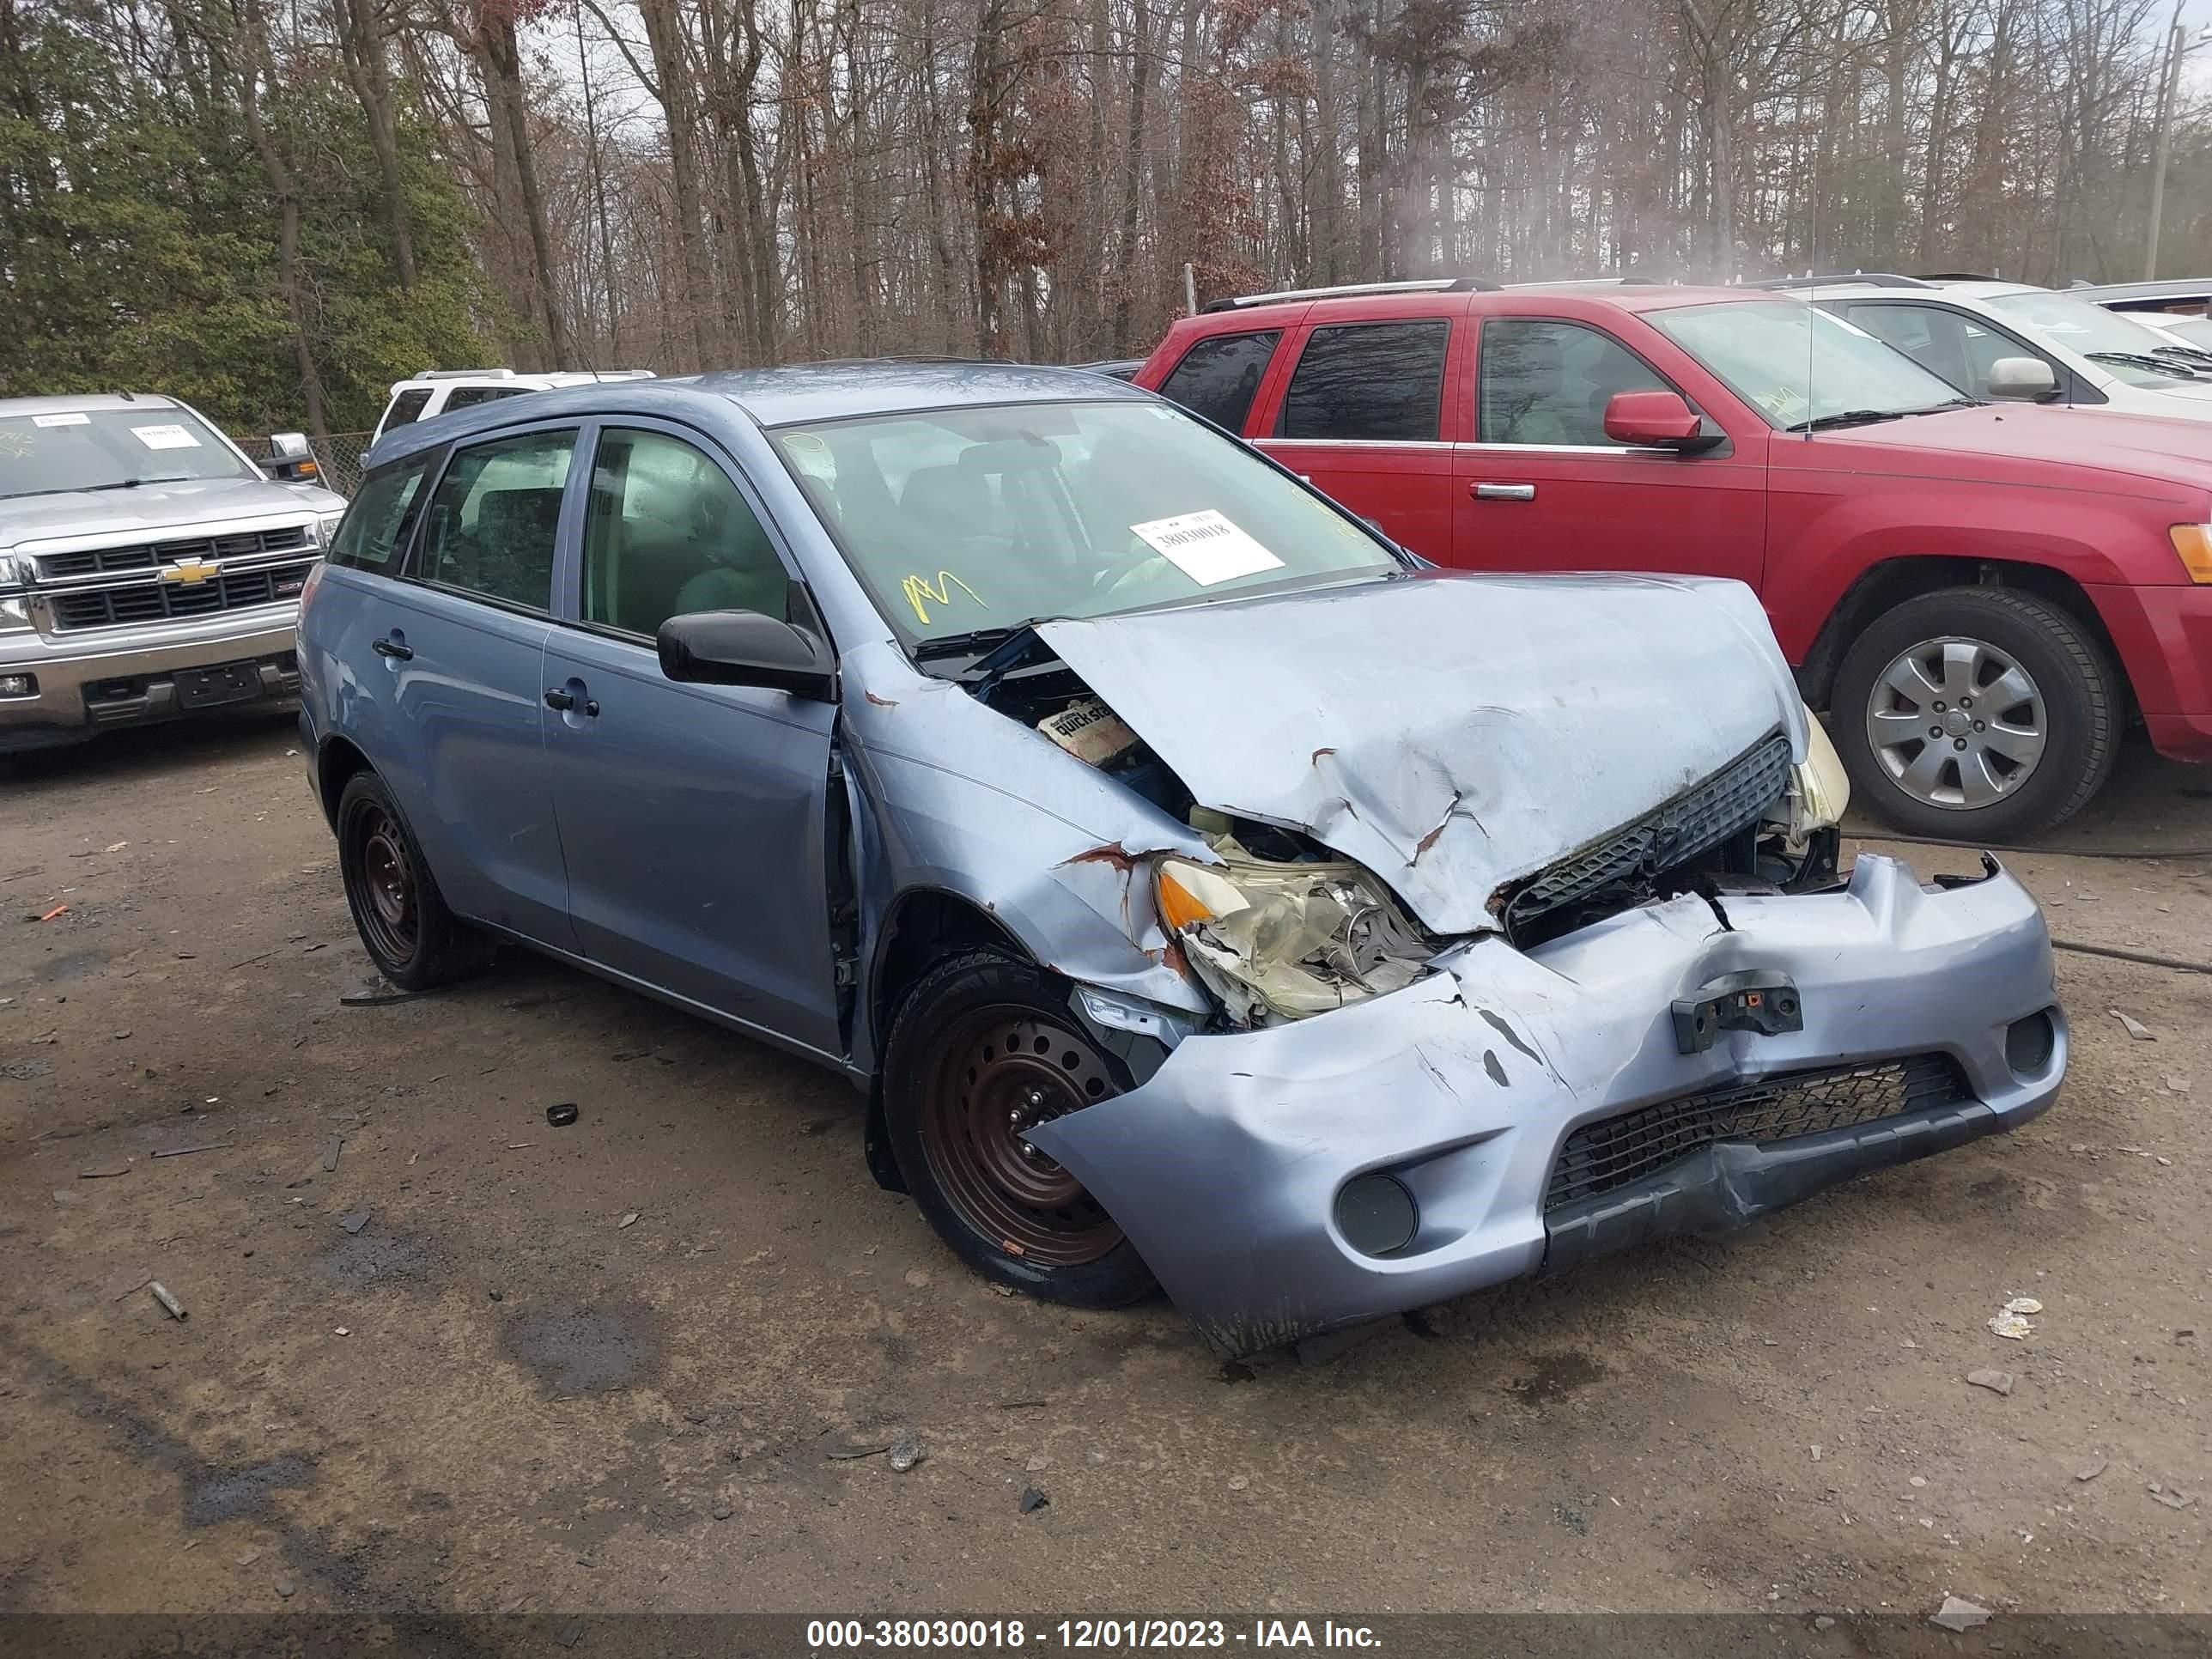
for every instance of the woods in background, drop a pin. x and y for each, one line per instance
(276, 207)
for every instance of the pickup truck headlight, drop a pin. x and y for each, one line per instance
(1286, 939)
(15, 603)
(326, 526)
(2193, 542)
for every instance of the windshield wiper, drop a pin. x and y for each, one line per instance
(130, 483)
(2193, 353)
(1849, 418)
(981, 639)
(2142, 359)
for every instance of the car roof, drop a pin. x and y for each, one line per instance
(1960, 288)
(85, 402)
(2171, 288)
(1625, 296)
(778, 397)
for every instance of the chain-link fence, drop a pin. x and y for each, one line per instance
(338, 460)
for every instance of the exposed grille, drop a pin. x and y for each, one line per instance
(151, 555)
(148, 601)
(1616, 1150)
(1700, 817)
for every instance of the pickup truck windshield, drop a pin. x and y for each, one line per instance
(61, 450)
(964, 522)
(1800, 367)
(2128, 349)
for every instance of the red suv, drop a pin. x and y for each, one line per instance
(1982, 594)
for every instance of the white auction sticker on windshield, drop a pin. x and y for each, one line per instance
(165, 437)
(1206, 547)
(61, 420)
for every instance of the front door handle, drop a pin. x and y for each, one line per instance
(393, 648)
(1502, 492)
(556, 697)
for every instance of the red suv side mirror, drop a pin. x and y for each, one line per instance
(1651, 420)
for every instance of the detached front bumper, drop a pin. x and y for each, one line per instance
(89, 681)
(1228, 1168)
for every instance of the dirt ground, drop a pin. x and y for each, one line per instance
(450, 1373)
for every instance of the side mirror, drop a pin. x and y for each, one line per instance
(1653, 420)
(291, 460)
(747, 648)
(2022, 380)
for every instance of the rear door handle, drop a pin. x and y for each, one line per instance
(394, 649)
(1502, 492)
(555, 697)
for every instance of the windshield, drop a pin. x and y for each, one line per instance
(109, 449)
(2195, 332)
(962, 521)
(1796, 363)
(2105, 337)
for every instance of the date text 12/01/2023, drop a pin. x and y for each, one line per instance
(831, 1635)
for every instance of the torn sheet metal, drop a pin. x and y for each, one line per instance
(1452, 734)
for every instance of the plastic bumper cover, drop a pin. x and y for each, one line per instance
(1225, 1167)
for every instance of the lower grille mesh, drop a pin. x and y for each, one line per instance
(1616, 1150)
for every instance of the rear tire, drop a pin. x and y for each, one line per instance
(982, 1045)
(1976, 715)
(416, 942)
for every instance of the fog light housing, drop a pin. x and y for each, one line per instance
(1376, 1215)
(19, 685)
(2030, 1042)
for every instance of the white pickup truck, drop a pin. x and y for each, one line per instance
(148, 569)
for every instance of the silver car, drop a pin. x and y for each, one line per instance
(1200, 890)
(148, 569)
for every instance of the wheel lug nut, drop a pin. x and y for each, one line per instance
(1978, 726)
(1958, 742)
(1934, 730)
(1966, 702)
(1939, 708)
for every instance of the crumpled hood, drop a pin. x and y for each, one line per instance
(1451, 733)
(153, 509)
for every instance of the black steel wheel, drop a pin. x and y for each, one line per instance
(415, 940)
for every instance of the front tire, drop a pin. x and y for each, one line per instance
(983, 1046)
(416, 942)
(1976, 715)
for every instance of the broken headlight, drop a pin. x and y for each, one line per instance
(1286, 939)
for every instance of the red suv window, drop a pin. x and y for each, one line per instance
(1382, 382)
(1219, 377)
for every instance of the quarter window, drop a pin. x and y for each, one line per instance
(1219, 377)
(407, 407)
(462, 397)
(1548, 383)
(492, 521)
(667, 533)
(375, 526)
(1377, 382)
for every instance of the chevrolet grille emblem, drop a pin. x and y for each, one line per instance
(192, 572)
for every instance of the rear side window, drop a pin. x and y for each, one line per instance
(1219, 377)
(462, 396)
(492, 518)
(407, 407)
(1382, 382)
(376, 525)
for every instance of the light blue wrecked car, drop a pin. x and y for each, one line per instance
(1201, 889)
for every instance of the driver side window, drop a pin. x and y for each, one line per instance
(667, 533)
(1548, 383)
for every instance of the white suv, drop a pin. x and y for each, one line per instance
(1964, 328)
(435, 391)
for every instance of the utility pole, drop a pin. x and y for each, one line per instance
(2169, 98)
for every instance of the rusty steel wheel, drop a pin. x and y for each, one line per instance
(996, 1071)
(415, 941)
(386, 877)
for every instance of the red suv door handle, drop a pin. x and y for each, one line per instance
(1502, 492)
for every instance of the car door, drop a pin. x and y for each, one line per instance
(1363, 417)
(1542, 488)
(694, 817)
(461, 638)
